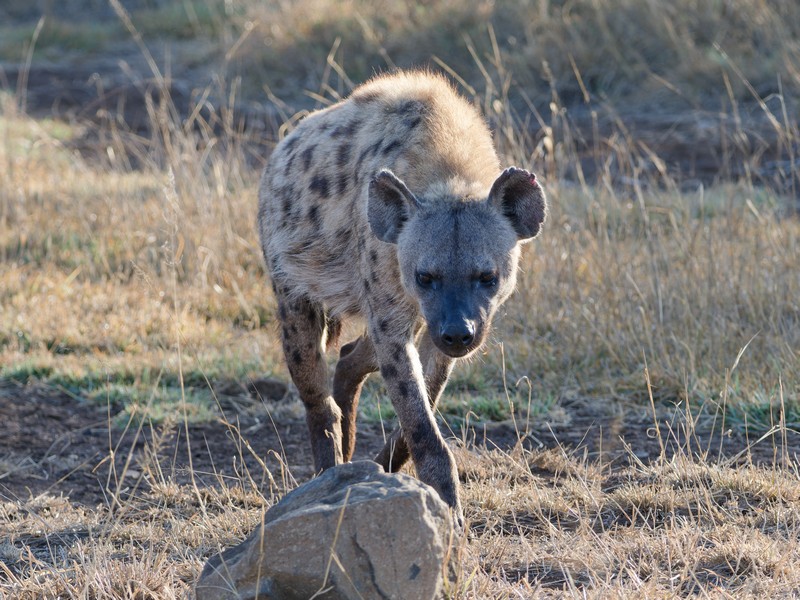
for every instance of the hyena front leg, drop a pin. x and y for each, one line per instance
(356, 361)
(402, 373)
(437, 368)
(302, 331)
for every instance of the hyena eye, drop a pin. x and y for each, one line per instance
(488, 279)
(425, 280)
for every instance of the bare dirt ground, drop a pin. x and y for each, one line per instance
(53, 442)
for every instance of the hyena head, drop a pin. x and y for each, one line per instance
(458, 256)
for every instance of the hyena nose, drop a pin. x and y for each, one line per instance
(457, 335)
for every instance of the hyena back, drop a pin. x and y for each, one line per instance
(390, 206)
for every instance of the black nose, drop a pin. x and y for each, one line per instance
(457, 335)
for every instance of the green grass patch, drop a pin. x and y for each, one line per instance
(161, 405)
(183, 20)
(137, 390)
(461, 402)
(56, 37)
(756, 410)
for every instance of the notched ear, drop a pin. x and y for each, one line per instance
(518, 195)
(390, 205)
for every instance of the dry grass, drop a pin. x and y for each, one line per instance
(642, 51)
(151, 546)
(548, 524)
(540, 524)
(134, 276)
(627, 274)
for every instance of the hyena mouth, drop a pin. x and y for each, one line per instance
(459, 351)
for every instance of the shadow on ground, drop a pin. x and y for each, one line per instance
(56, 443)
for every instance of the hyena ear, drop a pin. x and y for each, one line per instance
(518, 195)
(390, 205)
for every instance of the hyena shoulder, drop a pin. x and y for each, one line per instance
(314, 193)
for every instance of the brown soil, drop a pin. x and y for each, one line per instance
(53, 442)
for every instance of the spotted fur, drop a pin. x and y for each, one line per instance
(390, 206)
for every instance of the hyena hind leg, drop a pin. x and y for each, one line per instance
(356, 361)
(303, 326)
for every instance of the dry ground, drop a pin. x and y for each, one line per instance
(597, 507)
(631, 430)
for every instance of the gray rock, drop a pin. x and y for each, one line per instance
(390, 534)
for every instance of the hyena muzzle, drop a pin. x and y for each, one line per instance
(390, 207)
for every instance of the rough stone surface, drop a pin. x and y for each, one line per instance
(390, 535)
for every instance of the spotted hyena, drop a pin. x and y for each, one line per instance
(391, 206)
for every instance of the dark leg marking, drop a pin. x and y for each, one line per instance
(304, 354)
(433, 460)
(437, 369)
